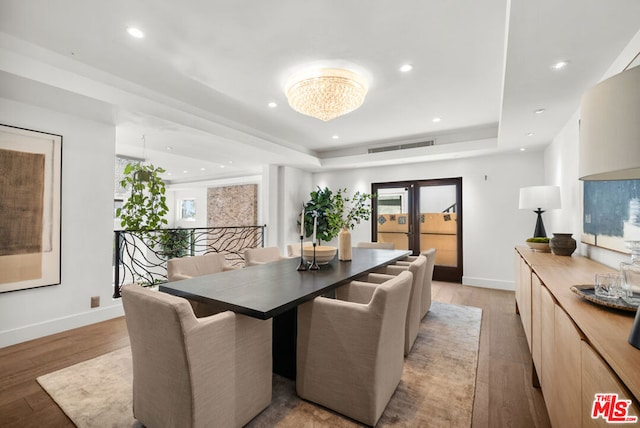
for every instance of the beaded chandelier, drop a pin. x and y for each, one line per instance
(326, 93)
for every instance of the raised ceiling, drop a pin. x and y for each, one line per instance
(201, 79)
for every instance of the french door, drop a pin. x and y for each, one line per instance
(421, 214)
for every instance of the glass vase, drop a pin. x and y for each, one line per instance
(630, 272)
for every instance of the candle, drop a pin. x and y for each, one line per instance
(302, 222)
(315, 224)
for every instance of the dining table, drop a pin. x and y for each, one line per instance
(274, 290)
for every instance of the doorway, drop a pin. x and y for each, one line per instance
(420, 214)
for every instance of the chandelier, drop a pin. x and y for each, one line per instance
(326, 93)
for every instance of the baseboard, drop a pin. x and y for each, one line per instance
(489, 283)
(57, 325)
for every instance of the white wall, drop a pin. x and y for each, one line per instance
(88, 151)
(561, 168)
(492, 223)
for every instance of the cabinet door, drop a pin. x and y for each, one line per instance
(547, 352)
(567, 371)
(536, 322)
(525, 299)
(598, 378)
(518, 266)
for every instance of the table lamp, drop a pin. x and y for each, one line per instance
(539, 199)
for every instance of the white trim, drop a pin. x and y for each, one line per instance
(46, 328)
(497, 284)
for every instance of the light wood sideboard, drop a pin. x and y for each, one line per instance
(578, 348)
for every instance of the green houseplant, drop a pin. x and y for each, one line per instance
(336, 213)
(146, 207)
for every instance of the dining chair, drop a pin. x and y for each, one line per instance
(414, 308)
(260, 256)
(293, 250)
(381, 245)
(430, 254)
(189, 267)
(195, 372)
(349, 349)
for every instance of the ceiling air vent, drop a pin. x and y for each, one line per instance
(402, 146)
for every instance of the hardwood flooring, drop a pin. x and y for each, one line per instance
(504, 394)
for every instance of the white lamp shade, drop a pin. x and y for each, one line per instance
(610, 129)
(543, 197)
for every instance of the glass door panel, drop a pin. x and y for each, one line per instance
(438, 223)
(392, 216)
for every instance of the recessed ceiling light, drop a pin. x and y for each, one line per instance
(169, 148)
(529, 134)
(221, 166)
(135, 32)
(185, 171)
(436, 119)
(540, 111)
(560, 65)
(335, 137)
(272, 104)
(406, 67)
(522, 149)
(203, 169)
(169, 173)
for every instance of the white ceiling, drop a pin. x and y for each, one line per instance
(200, 80)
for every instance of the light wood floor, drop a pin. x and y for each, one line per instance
(504, 395)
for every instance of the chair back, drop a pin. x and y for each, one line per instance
(414, 309)
(430, 254)
(156, 322)
(257, 256)
(390, 299)
(188, 267)
(382, 245)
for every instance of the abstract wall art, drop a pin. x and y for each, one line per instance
(611, 213)
(30, 208)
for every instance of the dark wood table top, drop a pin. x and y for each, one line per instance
(264, 291)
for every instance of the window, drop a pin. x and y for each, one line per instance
(188, 209)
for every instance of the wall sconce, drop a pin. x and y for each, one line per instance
(539, 198)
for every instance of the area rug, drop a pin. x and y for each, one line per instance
(436, 390)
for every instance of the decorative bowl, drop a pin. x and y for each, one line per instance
(541, 247)
(324, 254)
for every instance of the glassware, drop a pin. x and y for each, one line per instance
(609, 285)
(630, 272)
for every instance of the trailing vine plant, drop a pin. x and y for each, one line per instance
(146, 207)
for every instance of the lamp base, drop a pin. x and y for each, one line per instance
(539, 231)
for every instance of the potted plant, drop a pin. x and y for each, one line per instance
(348, 211)
(336, 213)
(144, 210)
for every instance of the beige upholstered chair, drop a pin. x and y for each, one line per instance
(383, 245)
(260, 256)
(188, 267)
(430, 254)
(293, 250)
(414, 314)
(195, 372)
(349, 353)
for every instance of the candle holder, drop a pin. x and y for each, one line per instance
(314, 265)
(303, 265)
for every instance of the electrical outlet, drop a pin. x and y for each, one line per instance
(95, 301)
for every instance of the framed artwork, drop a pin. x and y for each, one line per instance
(611, 213)
(30, 208)
(188, 209)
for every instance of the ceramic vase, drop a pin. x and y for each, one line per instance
(562, 244)
(344, 244)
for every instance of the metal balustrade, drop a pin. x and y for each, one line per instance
(141, 256)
